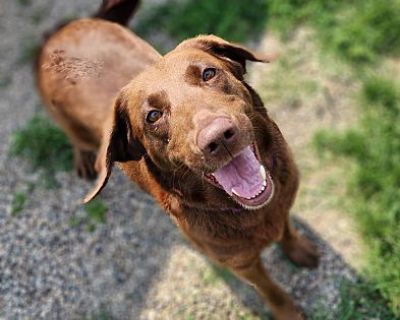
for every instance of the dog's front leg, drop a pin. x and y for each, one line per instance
(84, 163)
(300, 250)
(279, 302)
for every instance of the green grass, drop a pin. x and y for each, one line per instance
(375, 186)
(358, 301)
(215, 274)
(43, 146)
(235, 21)
(362, 33)
(95, 213)
(29, 49)
(18, 202)
(359, 31)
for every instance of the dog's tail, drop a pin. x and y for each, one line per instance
(119, 11)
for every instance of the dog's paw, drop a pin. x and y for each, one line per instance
(84, 164)
(290, 314)
(302, 252)
(295, 316)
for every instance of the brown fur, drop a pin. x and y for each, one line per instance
(99, 80)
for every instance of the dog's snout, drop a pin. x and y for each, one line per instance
(212, 138)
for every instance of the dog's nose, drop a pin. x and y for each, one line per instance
(212, 138)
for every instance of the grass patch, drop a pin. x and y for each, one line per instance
(182, 19)
(359, 31)
(213, 275)
(95, 213)
(18, 203)
(29, 50)
(96, 210)
(358, 301)
(209, 277)
(44, 146)
(375, 185)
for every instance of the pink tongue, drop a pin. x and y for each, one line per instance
(242, 174)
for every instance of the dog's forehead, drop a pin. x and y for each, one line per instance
(177, 63)
(181, 58)
(172, 76)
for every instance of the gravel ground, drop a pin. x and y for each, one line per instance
(136, 265)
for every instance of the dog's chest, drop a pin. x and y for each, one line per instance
(229, 228)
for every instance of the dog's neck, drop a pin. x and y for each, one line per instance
(233, 209)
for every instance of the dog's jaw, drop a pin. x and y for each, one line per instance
(245, 180)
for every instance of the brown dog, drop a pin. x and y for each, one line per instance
(187, 129)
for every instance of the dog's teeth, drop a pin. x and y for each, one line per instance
(261, 190)
(235, 192)
(263, 173)
(265, 184)
(251, 197)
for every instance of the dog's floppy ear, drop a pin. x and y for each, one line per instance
(234, 54)
(119, 144)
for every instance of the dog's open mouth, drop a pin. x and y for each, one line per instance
(245, 179)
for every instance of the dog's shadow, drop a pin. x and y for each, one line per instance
(136, 246)
(310, 289)
(141, 253)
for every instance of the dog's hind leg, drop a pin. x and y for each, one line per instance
(299, 249)
(84, 162)
(279, 302)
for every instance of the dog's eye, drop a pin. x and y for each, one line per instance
(153, 116)
(209, 73)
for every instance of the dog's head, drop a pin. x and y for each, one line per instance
(193, 112)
